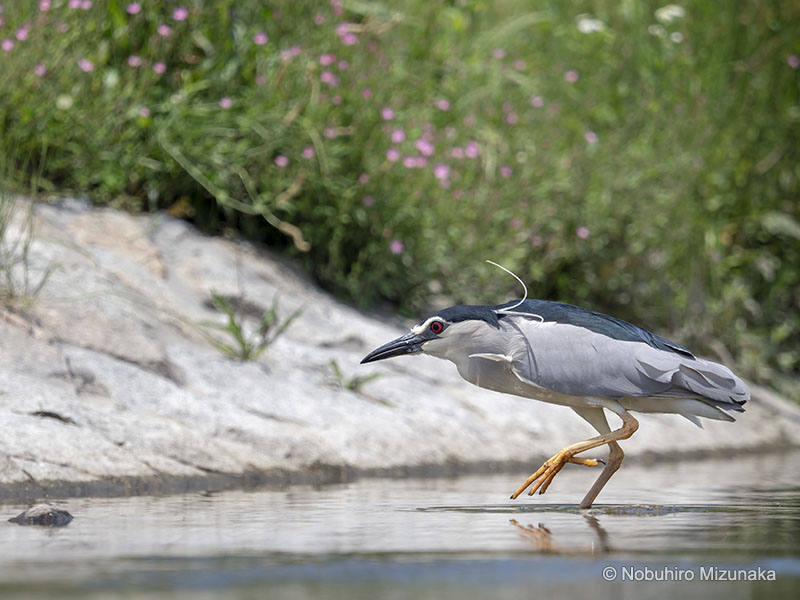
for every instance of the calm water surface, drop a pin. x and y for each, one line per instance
(444, 538)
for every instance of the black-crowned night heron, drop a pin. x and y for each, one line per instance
(579, 358)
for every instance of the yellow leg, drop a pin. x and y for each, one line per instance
(615, 456)
(545, 474)
(586, 462)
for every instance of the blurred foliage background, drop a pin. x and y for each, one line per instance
(631, 156)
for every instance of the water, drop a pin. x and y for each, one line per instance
(438, 538)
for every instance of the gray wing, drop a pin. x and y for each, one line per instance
(579, 362)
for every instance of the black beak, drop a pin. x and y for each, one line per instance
(410, 343)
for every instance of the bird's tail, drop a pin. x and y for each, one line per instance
(714, 383)
(696, 388)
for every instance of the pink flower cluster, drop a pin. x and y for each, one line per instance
(327, 77)
(346, 36)
(290, 53)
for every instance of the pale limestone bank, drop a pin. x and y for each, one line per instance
(108, 386)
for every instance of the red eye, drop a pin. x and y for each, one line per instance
(436, 327)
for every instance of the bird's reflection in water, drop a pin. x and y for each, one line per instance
(541, 538)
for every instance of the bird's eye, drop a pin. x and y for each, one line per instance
(436, 327)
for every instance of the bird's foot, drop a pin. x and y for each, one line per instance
(542, 478)
(586, 462)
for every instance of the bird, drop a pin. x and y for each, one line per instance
(579, 358)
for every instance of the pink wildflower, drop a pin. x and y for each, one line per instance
(396, 246)
(44, 5)
(180, 14)
(164, 30)
(387, 114)
(282, 161)
(160, 68)
(441, 171)
(793, 61)
(392, 155)
(86, 65)
(571, 76)
(326, 59)
(134, 61)
(40, 70)
(144, 112)
(134, 8)
(505, 171)
(308, 152)
(290, 53)
(472, 149)
(443, 104)
(398, 136)
(590, 137)
(260, 38)
(329, 78)
(582, 232)
(424, 146)
(499, 53)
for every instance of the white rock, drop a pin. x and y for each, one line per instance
(109, 386)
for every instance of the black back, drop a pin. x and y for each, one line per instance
(612, 327)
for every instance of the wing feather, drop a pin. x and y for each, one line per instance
(576, 361)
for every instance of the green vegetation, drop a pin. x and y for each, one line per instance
(637, 158)
(246, 346)
(19, 285)
(354, 384)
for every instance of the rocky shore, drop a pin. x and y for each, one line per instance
(109, 384)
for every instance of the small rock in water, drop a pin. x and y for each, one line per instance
(43, 514)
